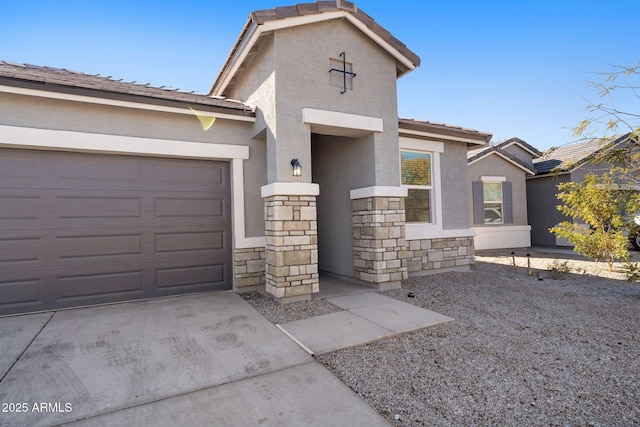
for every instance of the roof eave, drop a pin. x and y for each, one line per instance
(119, 99)
(443, 133)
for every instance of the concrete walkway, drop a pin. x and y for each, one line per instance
(368, 316)
(199, 360)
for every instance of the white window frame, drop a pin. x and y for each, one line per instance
(424, 230)
(421, 187)
(493, 180)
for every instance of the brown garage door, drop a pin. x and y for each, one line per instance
(78, 229)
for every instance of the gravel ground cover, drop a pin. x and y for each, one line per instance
(521, 351)
(282, 313)
(564, 350)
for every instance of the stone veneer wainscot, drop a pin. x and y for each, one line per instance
(249, 269)
(430, 255)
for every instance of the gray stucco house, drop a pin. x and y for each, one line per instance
(567, 163)
(112, 191)
(497, 181)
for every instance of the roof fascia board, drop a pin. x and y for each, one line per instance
(488, 153)
(257, 30)
(230, 68)
(379, 40)
(432, 135)
(549, 174)
(119, 103)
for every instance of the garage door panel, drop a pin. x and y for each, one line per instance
(190, 241)
(192, 278)
(99, 246)
(22, 251)
(95, 172)
(90, 206)
(201, 176)
(20, 168)
(21, 294)
(20, 208)
(100, 286)
(209, 208)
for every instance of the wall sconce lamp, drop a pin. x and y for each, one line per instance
(297, 167)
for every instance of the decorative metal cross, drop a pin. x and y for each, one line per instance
(344, 72)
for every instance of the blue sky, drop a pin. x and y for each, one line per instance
(510, 68)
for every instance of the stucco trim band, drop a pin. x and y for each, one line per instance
(407, 143)
(314, 116)
(378, 191)
(47, 139)
(290, 189)
(499, 237)
(421, 231)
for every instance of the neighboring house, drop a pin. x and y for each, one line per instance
(563, 164)
(497, 177)
(111, 191)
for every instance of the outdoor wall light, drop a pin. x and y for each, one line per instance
(297, 167)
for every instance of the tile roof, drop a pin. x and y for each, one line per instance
(444, 129)
(63, 80)
(261, 17)
(569, 156)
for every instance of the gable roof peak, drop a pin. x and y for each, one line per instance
(265, 21)
(521, 143)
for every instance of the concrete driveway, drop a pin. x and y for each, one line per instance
(208, 359)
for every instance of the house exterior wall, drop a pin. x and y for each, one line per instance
(302, 80)
(542, 211)
(596, 168)
(520, 154)
(545, 189)
(453, 163)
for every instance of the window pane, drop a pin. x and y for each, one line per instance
(492, 191)
(416, 168)
(492, 213)
(418, 206)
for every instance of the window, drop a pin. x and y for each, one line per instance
(492, 199)
(416, 176)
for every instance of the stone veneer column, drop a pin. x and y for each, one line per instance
(379, 245)
(291, 251)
